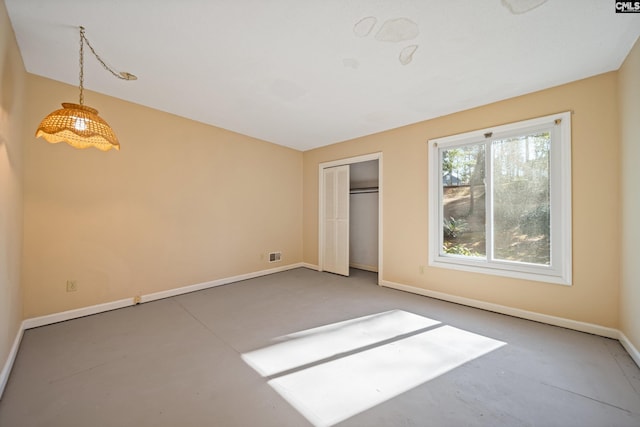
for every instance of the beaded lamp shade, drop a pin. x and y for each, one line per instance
(79, 126)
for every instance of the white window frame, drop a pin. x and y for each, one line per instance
(559, 271)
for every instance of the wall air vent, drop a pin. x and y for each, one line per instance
(275, 256)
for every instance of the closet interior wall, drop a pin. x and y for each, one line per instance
(363, 216)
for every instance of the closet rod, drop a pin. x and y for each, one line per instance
(363, 190)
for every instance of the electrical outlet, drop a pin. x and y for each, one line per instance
(421, 269)
(72, 286)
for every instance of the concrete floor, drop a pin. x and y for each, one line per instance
(305, 348)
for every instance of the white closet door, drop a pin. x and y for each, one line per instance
(336, 220)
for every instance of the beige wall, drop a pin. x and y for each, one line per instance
(629, 90)
(185, 203)
(12, 77)
(595, 161)
(182, 203)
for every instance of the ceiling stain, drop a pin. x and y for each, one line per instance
(397, 30)
(393, 30)
(406, 55)
(363, 27)
(518, 7)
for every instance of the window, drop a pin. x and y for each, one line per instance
(500, 200)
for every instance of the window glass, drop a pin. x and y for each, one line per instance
(521, 205)
(463, 200)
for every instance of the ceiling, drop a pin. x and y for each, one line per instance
(305, 74)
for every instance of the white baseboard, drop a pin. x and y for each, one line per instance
(311, 266)
(516, 312)
(8, 365)
(631, 349)
(219, 282)
(371, 268)
(35, 322)
(524, 314)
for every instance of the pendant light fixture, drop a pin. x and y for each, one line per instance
(77, 124)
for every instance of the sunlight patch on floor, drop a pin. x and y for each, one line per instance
(335, 372)
(312, 345)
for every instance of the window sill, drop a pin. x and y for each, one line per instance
(495, 270)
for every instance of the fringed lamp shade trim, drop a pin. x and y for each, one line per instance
(79, 126)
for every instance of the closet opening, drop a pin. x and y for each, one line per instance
(350, 215)
(363, 215)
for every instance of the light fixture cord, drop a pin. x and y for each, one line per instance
(81, 65)
(121, 75)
